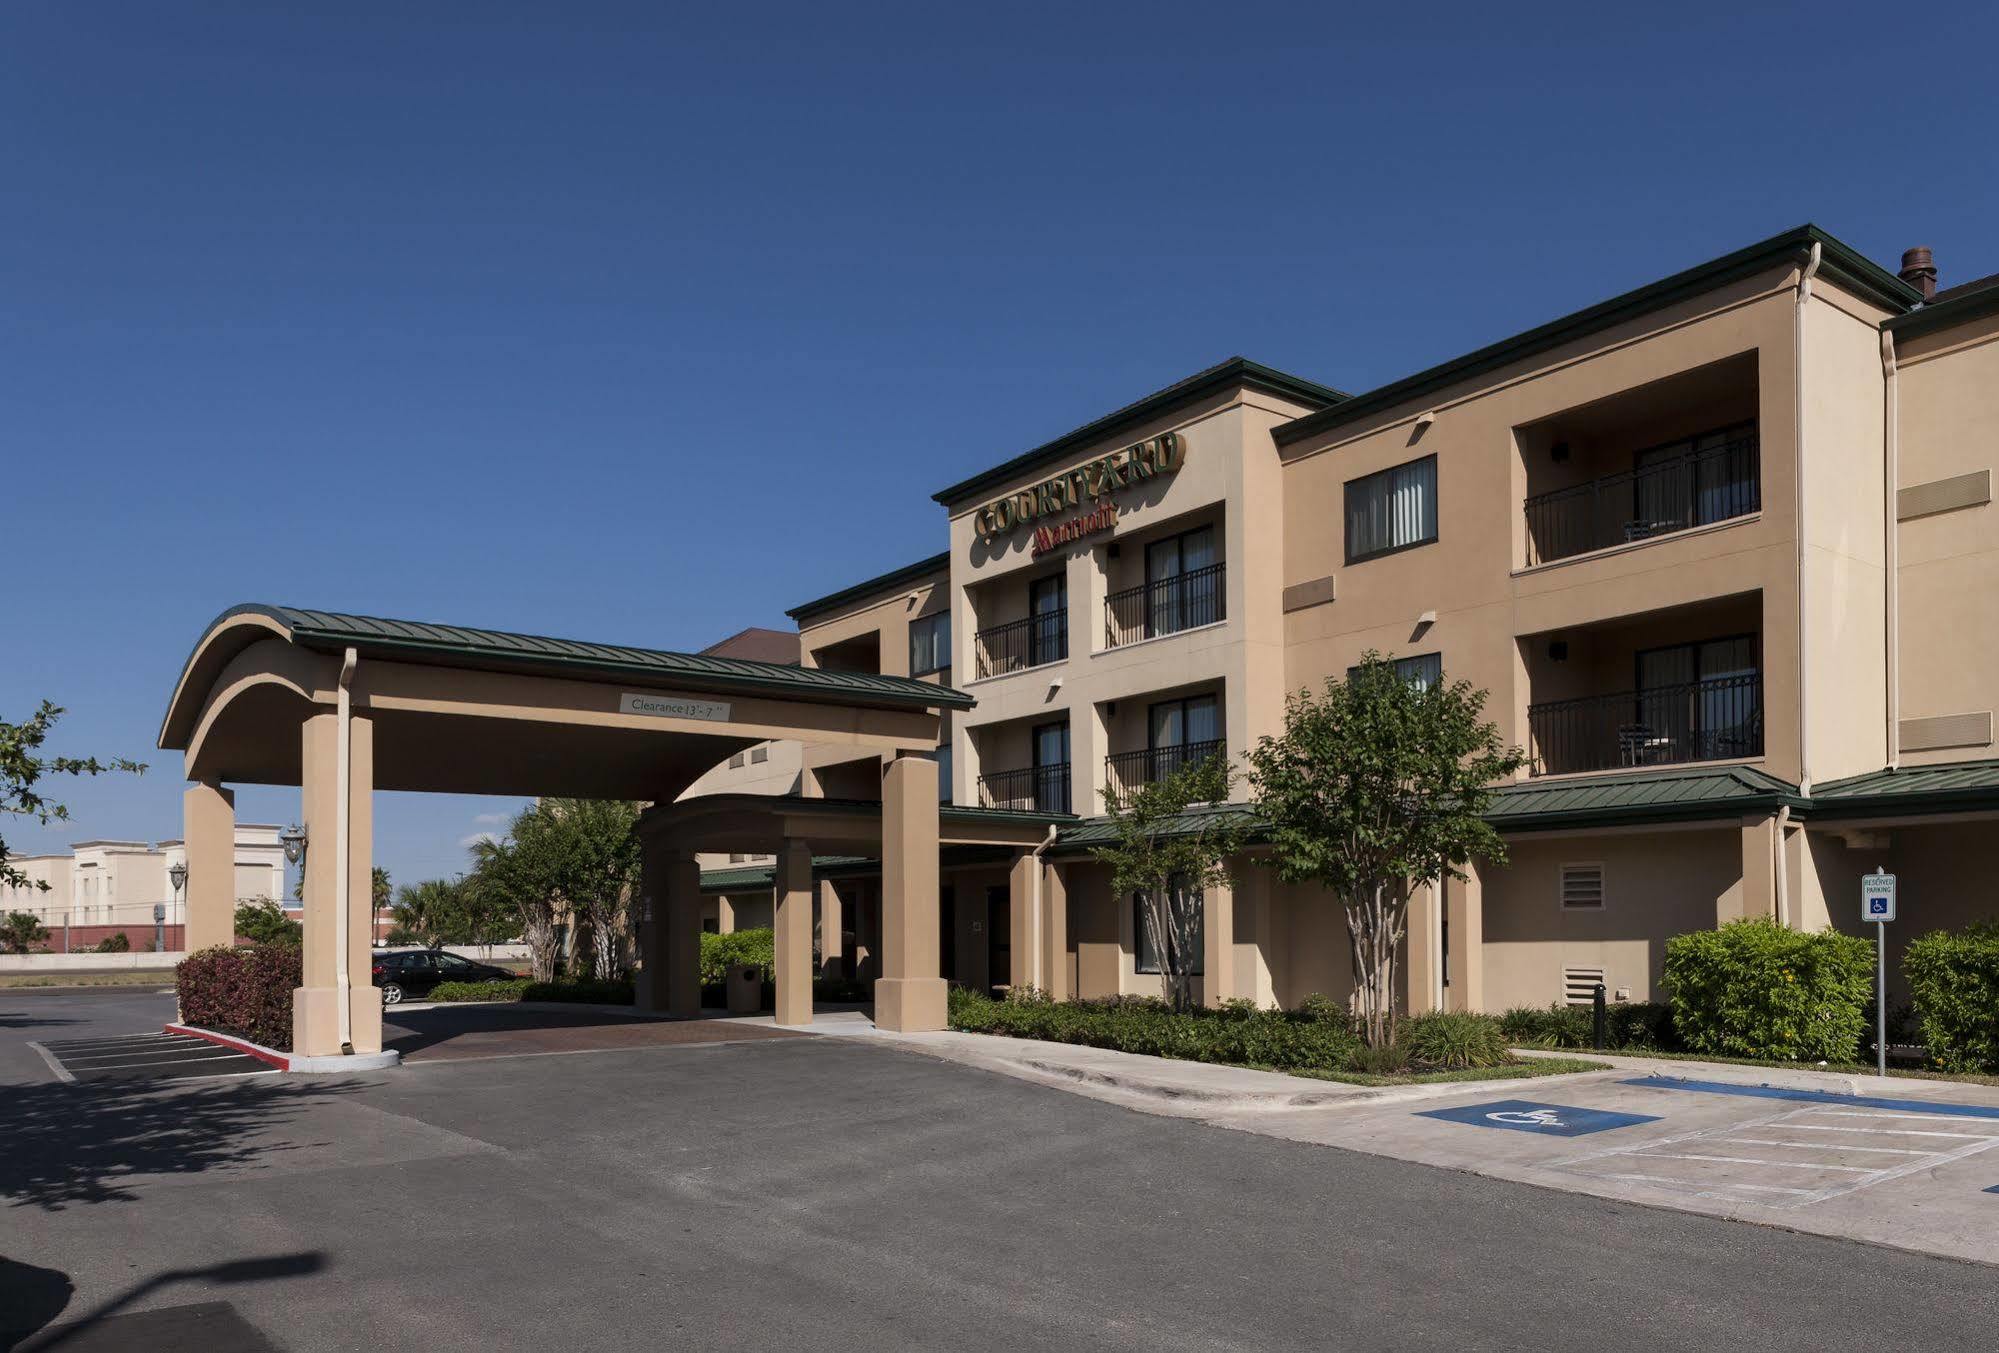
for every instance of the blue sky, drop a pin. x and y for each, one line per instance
(642, 322)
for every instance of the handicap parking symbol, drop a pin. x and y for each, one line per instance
(1549, 1120)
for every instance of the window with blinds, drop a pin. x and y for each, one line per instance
(1393, 509)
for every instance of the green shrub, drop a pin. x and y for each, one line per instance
(1955, 982)
(583, 991)
(719, 952)
(478, 991)
(120, 943)
(1454, 1041)
(1756, 989)
(1636, 1025)
(1237, 1034)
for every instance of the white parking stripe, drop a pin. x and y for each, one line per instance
(1927, 1117)
(150, 1052)
(1893, 1132)
(1681, 1183)
(1752, 1160)
(174, 1061)
(1821, 1146)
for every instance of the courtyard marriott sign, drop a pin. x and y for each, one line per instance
(1088, 483)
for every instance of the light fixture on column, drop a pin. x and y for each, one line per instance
(293, 839)
(177, 875)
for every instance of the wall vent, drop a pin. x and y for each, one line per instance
(1582, 887)
(1579, 985)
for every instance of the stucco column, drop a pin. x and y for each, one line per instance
(1464, 906)
(208, 826)
(832, 947)
(669, 980)
(316, 1004)
(1055, 931)
(1422, 964)
(1218, 943)
(910, 996)
(792, 937)
(1757, 894)
(1024, 922)
(725, 916)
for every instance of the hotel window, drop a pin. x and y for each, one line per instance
(1183, 586)
(1048, 619)
(1392, 510)
(1422, 672)
(930, 644)
(944, 773)
(1188, 911)
(759, 755)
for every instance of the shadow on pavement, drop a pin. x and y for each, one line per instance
(199, 1327)
(67, 1144)
(410, 1031)
(30, 1297)
(12, 1019)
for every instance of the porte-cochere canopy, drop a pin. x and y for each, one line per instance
(344, 705)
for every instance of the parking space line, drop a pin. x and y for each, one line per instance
(1752, 1160)
(1925, 1117)
(1815, 1146)
(1681, 1183)
(1894, 1132)
(171, 1061)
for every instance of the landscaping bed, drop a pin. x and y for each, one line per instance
(1317, 1039)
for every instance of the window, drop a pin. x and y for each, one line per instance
(1582, 887)
(759, 755)
(944, 773)
(1175, 725)
(1698, 702)
(1393, 510)
(930, 644)
(1422, 672)
(1183, 588)
(1696, 482)
(452, 963)
(736, 761)
(1051, 768)
(1187, 907)
(1048, 623)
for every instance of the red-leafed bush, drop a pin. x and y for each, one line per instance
(244, 992)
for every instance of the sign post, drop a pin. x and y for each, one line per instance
(1877, 904)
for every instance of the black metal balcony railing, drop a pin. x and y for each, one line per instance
(1696, 489)
(1715, 720)
(1021, 644)
(1164, 606)
(1127, 770)
(1037, 789)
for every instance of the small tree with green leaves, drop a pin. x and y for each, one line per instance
(21, 931)
(22, 767)
(1375, 787)
(264, 922)
(1168, 852)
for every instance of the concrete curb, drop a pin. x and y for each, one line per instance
(286, 1061)
(1781, 1078)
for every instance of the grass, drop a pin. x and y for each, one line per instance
(1841, 1068)
(1523, 1069)
(143, 977)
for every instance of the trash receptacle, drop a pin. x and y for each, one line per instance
(745, 989)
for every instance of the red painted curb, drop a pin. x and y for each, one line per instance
(282, 1061)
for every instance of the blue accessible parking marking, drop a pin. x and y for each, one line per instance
(1549, 1120)
(1993, 1189)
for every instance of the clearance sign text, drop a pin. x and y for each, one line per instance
(1097, 480)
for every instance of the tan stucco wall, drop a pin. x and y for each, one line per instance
(1948, 387)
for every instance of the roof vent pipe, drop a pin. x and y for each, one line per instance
(1919, 270)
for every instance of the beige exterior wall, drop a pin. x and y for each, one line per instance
(1948, 649)
(117, 883)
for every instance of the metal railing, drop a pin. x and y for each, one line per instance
(1164, 606)
(1037, 789)
(1696, 489)
(1714, 720)
(1020, 644)
(1126, 770)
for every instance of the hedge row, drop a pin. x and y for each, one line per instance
(756, 947)
(1754, 988)
(244, 992)
(581, 991)
(1954, 980)
(1318, 1036)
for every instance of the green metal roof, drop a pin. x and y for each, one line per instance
(1097, 831)
(457, 644)
(892, 581)
(1689, 794)
(1959, 786)
(1838, 262)
(738, 877)
(1221, 376)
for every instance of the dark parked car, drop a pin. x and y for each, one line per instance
(413, 972)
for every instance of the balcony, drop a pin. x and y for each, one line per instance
(1127, 770)
(1661, 496)
(1717, 719)
(1037, 789)
(1183, 601)
(1021, 644)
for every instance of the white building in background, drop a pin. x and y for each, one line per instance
(99, 888)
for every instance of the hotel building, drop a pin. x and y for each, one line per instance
(1718, 549)
(98, 889)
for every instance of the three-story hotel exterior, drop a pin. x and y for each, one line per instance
(1719, 549)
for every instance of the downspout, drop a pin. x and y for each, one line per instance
(1805, 276)
(1783, 882)
(343, 988)
(1891, 553)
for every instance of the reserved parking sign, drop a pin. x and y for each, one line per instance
(1877, 897)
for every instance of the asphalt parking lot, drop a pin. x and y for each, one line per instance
(834, 1194)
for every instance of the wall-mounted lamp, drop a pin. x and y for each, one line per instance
(1559, 453)
(1425, 418)
(293, 840)
(1558, 650)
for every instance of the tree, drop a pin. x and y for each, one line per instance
(441, 911)
(21, 768)
(1375, 787)
(264, 922)
(601, 866)
(378, 898)
(578, 856)
(1168, 853)
(20, 931)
